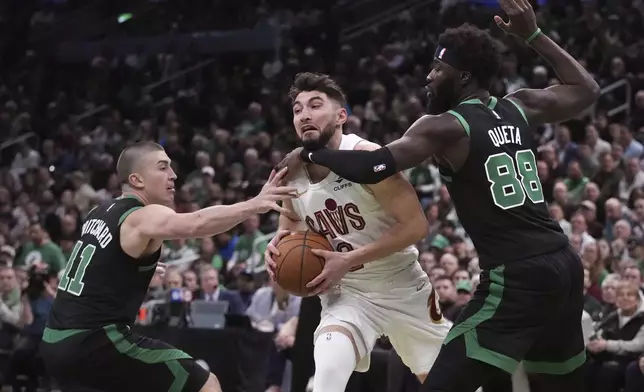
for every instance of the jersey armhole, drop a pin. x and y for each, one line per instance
(127, 213)
(520, 109)
(461, 119)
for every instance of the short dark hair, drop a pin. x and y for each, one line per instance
(311, 81)
(476, 47)
(130, 157)
(445, 277)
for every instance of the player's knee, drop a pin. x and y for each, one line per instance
(211, 385)
(335, 360)
(332, 348)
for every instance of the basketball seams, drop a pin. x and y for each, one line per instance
(290, 278)
(284, 258)
(330, 249)
(306, 233)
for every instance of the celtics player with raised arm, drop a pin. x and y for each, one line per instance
(528, 305)
(87, 344)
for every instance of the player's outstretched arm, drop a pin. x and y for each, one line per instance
(578, 90)
(162, 223)
(426, 137)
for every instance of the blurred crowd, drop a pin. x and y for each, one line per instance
(227, 122)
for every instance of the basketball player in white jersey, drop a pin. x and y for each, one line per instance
(373, 284)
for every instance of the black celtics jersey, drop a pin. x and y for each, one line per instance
(497, 193)
(101, 284)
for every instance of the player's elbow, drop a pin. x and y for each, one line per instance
(420, 227)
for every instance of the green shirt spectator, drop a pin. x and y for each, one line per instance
(41, 250)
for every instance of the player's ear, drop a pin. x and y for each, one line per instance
(466, 77)
(342, 116)
(135, 180)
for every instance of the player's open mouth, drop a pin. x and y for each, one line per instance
(171, 189)
(307, 128)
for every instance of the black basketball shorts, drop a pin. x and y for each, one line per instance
(528, 310)
(114, 359)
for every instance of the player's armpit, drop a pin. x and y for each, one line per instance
(553, 104)
(426, 137)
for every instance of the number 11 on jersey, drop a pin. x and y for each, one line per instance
(75, 285)
(510, 187)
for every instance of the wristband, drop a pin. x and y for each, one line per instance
(533, 36)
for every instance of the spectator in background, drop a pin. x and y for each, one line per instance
(211, 290)
(608, 177)
(14, 314)
(40, 296)
(248, 254)
(575, 182)
(596, 144)
(446, 296)
(591, 305)
(620, 341)
(635, 376)
(41, 251)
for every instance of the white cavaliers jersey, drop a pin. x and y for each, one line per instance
(350, 217)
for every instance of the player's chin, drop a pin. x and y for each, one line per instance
(311, 143)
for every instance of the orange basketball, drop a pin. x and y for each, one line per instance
(297, 265)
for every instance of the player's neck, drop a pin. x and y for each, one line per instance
(470, 94)
(135, 195)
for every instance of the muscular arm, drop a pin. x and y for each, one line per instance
(398, 199)
(577, 92)
(156, 222)
(428, 136)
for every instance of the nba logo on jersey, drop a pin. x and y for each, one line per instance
(379, 168)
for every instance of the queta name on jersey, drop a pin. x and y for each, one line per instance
(97, 228)
(505, 134)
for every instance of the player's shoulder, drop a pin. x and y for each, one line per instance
(446, 127)
(366, 145)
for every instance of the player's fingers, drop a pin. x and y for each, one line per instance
(501, 23)
(321, 252)
(284, 191)
(281, 234)
(270, 264)
(280, 175)
(272, 250)
(281, 210)
(515, 7)
(321, 288)
(272, 176)
(316, 281)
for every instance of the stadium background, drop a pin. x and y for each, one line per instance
(207, 78)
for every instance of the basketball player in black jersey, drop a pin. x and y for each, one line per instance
(529, 302)
(87, 344)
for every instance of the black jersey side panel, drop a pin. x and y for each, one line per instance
(101, 284)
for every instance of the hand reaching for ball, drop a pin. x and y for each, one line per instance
(336, 265)
(271, 252)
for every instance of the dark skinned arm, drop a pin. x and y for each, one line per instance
(577, 92)
(428, 136)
